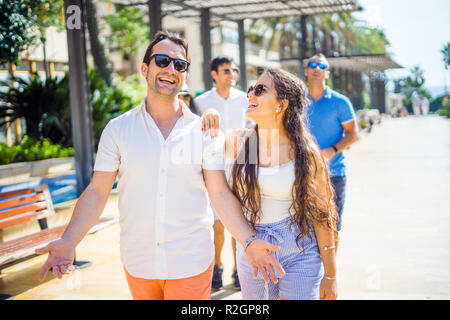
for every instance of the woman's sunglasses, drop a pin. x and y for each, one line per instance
(313, 65)
(257, 90)
(162, 61)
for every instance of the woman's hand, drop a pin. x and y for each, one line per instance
(211, 122)
(328, 289)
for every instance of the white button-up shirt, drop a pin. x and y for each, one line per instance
(164, 213)
(232, 110)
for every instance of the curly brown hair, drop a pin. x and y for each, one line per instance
(311, 192)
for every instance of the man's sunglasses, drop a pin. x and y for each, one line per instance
(313, 65)
(257, 90)
(162, 61)
(229, 71)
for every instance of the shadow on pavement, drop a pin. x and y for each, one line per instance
(225, 292)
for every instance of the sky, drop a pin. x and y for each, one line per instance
(417, 31)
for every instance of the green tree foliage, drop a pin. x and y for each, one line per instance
(445, 109)
(367, 40)
(44, 104)
(129, 29)
(414, 82)
(446, 55)
(107, 103)
(32, 150)
(17, 19)
(97, 49)
(350, 36)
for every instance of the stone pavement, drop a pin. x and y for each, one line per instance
(394, 242)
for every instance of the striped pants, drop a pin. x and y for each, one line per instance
(303, 266)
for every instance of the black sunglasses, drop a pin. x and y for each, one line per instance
(229, 71)
(162, 61)
(257, 90)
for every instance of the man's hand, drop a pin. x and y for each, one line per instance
(328, 289)
(328, 153)
(211, 122)
(259, 255)
(60, 258)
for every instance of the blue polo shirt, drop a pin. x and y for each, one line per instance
(325, 117)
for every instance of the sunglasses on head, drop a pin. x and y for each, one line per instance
(256, 90)
(162, 61)
(313, 65)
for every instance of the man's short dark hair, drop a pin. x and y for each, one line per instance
(218, 61)
(163, 35)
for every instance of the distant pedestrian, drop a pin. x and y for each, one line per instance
(332, 122)
(416, 103)
(425, 105)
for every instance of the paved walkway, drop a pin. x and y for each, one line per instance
(395, 242)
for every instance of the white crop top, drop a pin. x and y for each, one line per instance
(275, 184)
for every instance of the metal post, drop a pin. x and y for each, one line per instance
(154, 15)
(242, 61)
(81, 111)
(206, 44)
(302, 45)
(314, 38)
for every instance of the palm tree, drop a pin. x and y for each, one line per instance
(446, 55)
(44, 104)
(446, 58)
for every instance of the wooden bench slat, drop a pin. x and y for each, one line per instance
(24, 209)
(24, 218)
(21, 201)
(15, 193)
(19, 248)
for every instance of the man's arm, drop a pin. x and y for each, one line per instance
(229, 210)
(351, 135)
(87, 210)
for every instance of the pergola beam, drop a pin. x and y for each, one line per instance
(155, 17)
(242, 58)
(206, 45)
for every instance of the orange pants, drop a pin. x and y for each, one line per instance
(193, 288)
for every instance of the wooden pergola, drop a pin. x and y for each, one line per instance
(208, 13)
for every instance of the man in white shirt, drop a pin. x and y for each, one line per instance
(230, 104)
(167, 169)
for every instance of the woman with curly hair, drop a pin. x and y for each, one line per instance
(282, 183)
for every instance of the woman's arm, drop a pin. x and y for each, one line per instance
(327, 237)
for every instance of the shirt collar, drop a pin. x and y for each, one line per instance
(326, 94)
(188, 115)
(230, 96)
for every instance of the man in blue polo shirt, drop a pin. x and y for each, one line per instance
(332, 122)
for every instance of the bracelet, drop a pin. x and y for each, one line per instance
(327, 248)
(329, 278)
(249, 240)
